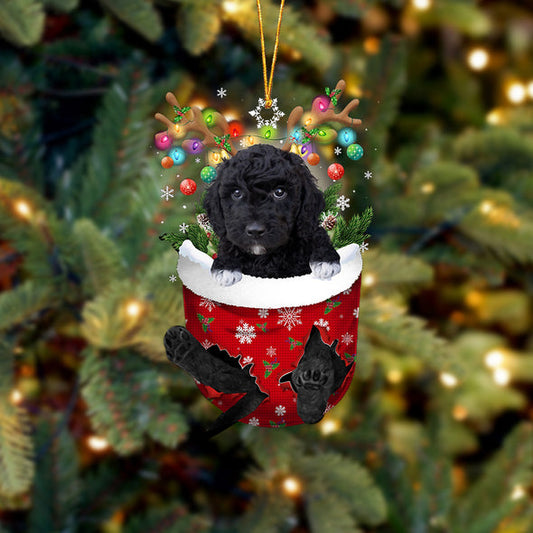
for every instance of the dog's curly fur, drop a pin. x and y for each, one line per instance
(264, 207)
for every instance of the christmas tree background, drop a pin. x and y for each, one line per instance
(98, 430)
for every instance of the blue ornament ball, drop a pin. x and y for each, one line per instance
(355, 151)
(208, 174)
(178, 155)
(346, 136)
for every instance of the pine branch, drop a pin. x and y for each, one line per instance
(352, 231)
(169, 519)
(199, 25)
(327, 513)
(22, 22)
(140, 15)
(267, 513)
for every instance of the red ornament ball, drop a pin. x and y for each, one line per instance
(167, 162)
(188, 186)
(313, 158)
(335, 171)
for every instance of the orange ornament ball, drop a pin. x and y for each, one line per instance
(313, 158)
(167, 162)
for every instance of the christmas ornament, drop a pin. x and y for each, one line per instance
(346, 137)
(236, 129)
(162, 140)
(192, 146)
(167, 162)
(188, 186)
(178, 155)
(208, 174)
(313, 158)
(320, 103)
(276, 113)
(335, 171)
(354, 151)
(209, 117)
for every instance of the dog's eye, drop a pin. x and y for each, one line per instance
(279, 193)
(236, 194)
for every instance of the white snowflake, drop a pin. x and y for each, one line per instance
(347, 291)
(363, 247)
(289, 317)
(184, 227)
(245, 333)
(277, 114)
(222, 92)
(172, 278)
(322, 323)
(356, 312)
(347, 338)
(338, 150)
(280, 410)
(368, 174)
(263, 313)
(271, 351)
(208, 304)
(343, 202)
(167, 193)
(329, 407)
(247, 360)
(197, 160)
(253, 421)
(207, 344)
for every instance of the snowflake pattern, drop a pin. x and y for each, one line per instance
(322, 323)
(368, 174)
(289, 317)
(280, 410)
(245, 333)
(363, 247)
(277, 114)
(184, 227)
(343, 202)
(263, 313)
(222, 92)
(197, 160)
(247, 360)
(172, 278)
(271, 351)
(254, 421)
(207, 344)
(356, 312)
(167, 193)
(208, 304)
(347, 338)
(347, 291)
(338, 150)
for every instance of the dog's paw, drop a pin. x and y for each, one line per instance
(324, 269)
(179, 344)
(226, 277)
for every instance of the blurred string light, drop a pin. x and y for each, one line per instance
(329, 426)
(97, 444)
(394, 376)
(516, 92)
(291, 486)
(501, 376)
(448, 380)
(421, 5)
(495, 117)
(23, 209)
(530, 89)
(478, 59)
(494, 358)
(134, 308)
(16, 397)
(459, 413)
(518, 493)
(369, 279)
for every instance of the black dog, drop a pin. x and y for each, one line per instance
(264, 207)
(320, 372)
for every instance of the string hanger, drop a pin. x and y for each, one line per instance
(268, 79)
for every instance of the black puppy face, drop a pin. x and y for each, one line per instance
(256, 200)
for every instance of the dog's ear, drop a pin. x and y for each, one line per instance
(311, 204)
(213, 208)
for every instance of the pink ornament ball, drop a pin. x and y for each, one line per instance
(162, 140)
(335, 171)
(188, 186)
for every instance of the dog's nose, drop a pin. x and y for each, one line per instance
(255, 230)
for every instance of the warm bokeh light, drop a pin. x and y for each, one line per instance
(478, 59)
(501, 376)
(494, 358)
(394, 376)
(369, 279)
(486, 207)
(231, 6)
(495, 117)
(516, 92)
(459, 413)
(16, 397)
(448, 380)
(427, 188)
(97, 444)
(421, 5)
(292, 486)
(518, 493)
(530, 89)
(329, 426)
(134, 308)
(23, 208)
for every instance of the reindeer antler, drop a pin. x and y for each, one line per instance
(191, 119)
(317, 117)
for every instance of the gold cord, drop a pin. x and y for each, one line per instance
(268, 83)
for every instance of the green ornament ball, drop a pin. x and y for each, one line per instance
(355, 151)
(208, 174)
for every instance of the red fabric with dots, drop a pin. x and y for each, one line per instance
(274, 340)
